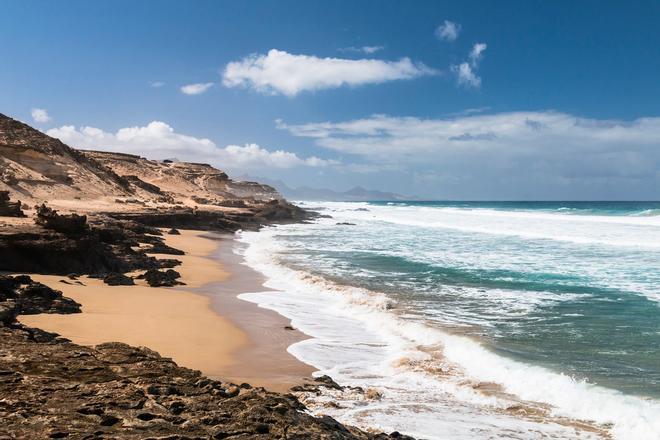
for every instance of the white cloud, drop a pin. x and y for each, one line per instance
(558, 144)
(279, 72)
(158, 140)
(40, 115)
(252, 156)
(448, 31)
(196, 89)
(466, 71)
(466, 76)
(476, 53)
(363, 49)
(156, 84)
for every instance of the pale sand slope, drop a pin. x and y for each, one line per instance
(177, 323)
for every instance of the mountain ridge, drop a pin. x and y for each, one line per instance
(355, 194)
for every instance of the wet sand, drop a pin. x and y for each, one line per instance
(264, 360)
(201, 325)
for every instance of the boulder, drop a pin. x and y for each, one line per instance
(160, 278)
(118, 279)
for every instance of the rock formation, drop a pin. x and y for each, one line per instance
(158, 278)
(118, 279)
(8, 208)
(21, 295)
(71, 224)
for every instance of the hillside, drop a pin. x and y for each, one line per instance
(37, 168)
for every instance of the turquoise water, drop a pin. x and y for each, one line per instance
(572, 287)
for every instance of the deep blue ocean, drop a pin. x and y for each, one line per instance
(556, 304)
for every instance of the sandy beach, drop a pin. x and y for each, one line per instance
(201, 325)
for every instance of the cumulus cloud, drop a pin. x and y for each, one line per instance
(196, 89)
(279, 72)
(158, 140)
(363, 49)
(448, 31)
(156, 84)
(475, 53)
(252, 156)
(466, 72)
(551, 144)
(466, 76)
(40, 115)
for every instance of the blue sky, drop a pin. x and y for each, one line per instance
(460, 100)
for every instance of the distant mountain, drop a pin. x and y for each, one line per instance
(357, 194)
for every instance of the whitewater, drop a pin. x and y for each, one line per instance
(472, 320)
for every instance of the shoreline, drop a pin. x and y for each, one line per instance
(269, 334)
(202, 325)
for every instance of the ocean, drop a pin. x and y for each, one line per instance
(475, 320)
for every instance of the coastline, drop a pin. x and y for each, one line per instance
(269, 334)
(202, 325)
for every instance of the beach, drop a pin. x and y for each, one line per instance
(201, 325)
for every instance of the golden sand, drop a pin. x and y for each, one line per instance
(181, 323)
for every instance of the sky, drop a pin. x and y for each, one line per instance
(470, 100)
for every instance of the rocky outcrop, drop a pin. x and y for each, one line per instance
(118, 279)
(51, 388)
(71, 224)
(8, 208)
(102, 246)
(21, 295)
(159, 278)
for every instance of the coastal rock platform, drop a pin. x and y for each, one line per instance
(53, 388)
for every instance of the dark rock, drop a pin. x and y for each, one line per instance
(158, 247)
(146, 417)
(118, 279)
(315, 384)
(9, 209)
(133, 393)
(174, 231)
(108, 420)
(345, 224)
(71, 224)
(105, 247)
(158, 278)
(177, 407)
(21, 295)
(135, 180)
(327, 382)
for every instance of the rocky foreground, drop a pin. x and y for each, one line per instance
(52, 388)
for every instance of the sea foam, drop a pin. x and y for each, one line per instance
(430, 381)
